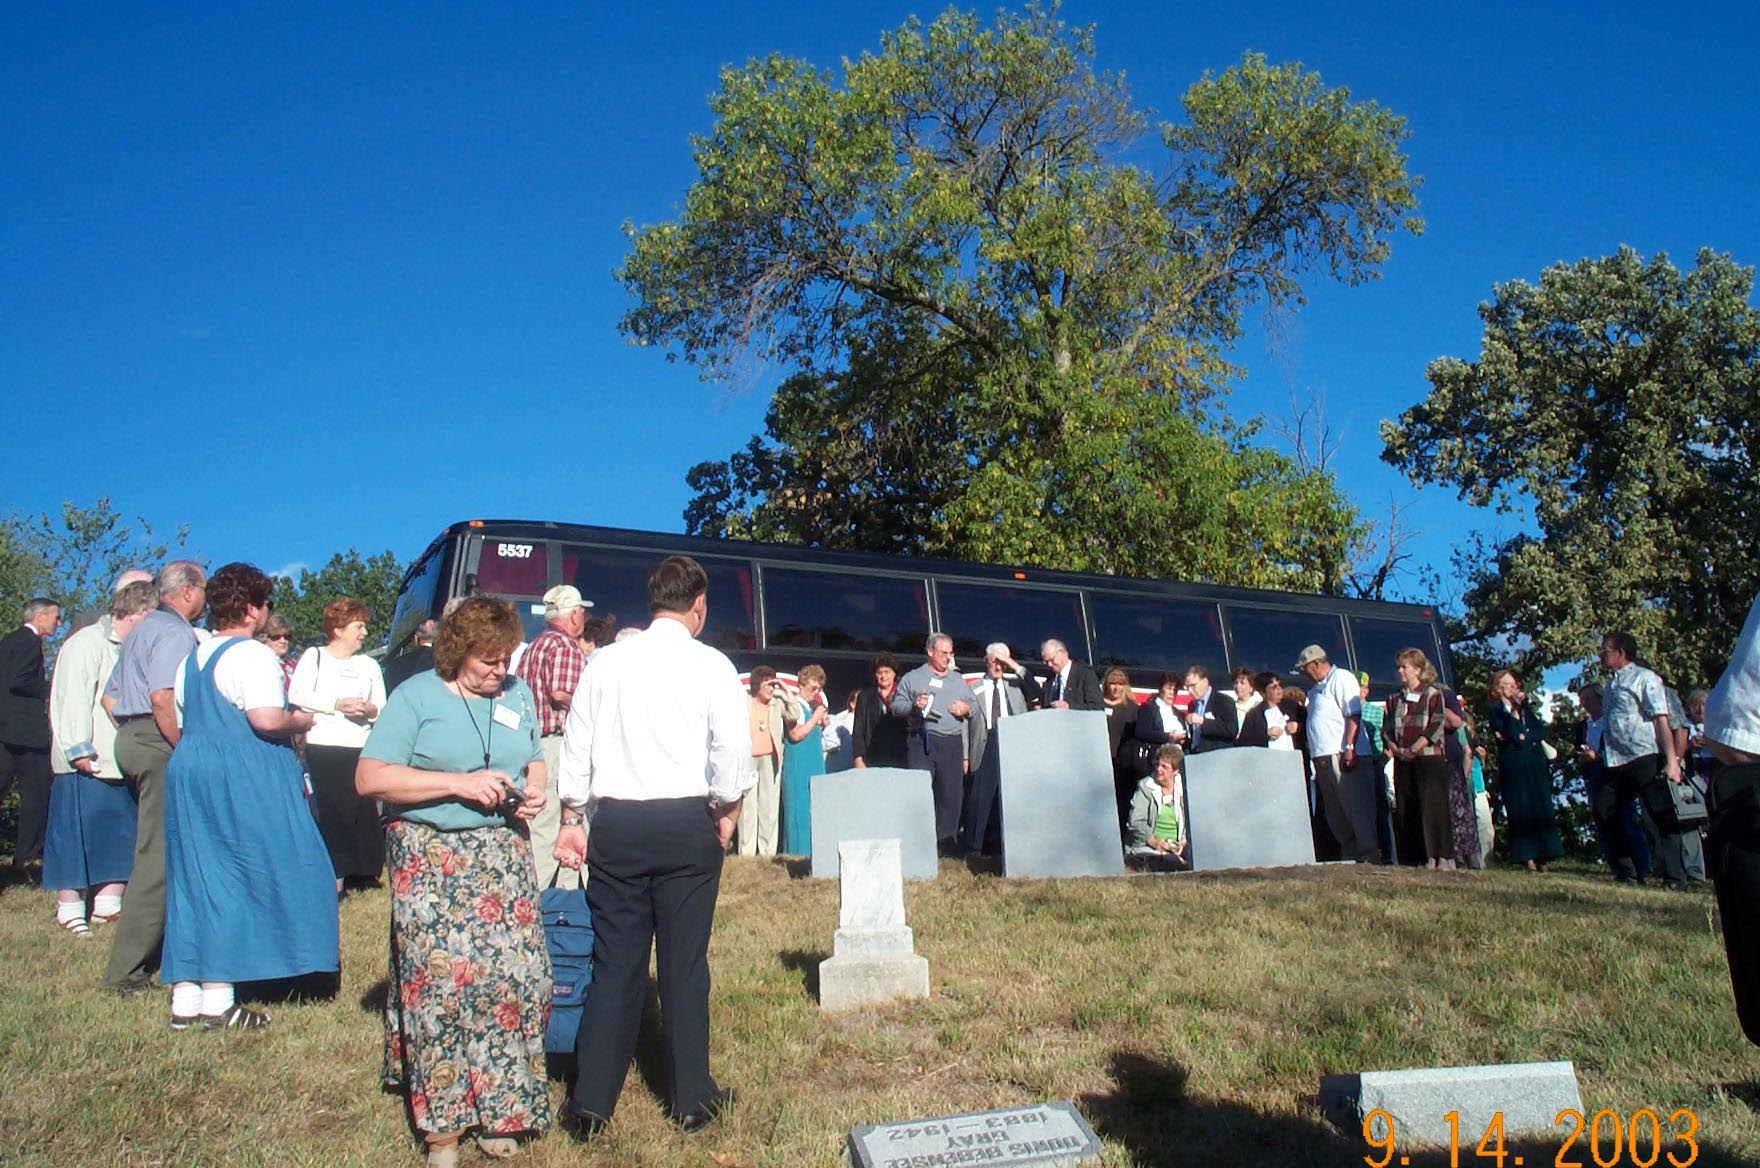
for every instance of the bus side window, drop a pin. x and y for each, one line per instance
(1272, 638)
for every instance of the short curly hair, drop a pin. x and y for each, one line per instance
(233, 588)
(342, 612)
(483, 626)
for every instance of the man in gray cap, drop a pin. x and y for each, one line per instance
(1335, 706)
(552, 668)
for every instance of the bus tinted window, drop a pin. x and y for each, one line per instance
(1270, 638)
(844, 610)
(976, 614)
(1378, 640)
(616, 581)
(510, 567)
(1148, 632)
(415, 603)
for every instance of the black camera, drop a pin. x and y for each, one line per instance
(512, 799)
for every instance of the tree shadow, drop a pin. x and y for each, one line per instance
(797, 867)
(1152, 1115)
(806, 963)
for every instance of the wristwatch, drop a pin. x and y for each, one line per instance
(571, 820)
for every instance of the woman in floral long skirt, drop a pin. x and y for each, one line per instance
(455, 757)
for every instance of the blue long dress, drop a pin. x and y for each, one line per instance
(800, 762)
(249, 894)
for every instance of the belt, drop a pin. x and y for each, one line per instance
(125, 719)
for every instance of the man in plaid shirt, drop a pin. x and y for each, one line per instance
(551, 669)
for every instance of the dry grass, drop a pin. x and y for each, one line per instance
(1190, 1018)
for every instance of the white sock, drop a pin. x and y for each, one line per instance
(70, 910)
(106, 906)
(216, 999)
(186, 999)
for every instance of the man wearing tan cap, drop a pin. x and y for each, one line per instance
(551, 668)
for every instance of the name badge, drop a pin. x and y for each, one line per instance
(507, 716)
(1411, 697)
(934, 683)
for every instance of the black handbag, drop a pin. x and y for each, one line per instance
(1679, 807)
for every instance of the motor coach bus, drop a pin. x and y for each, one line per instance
(787, 606)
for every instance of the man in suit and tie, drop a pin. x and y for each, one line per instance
(999, 695)
(1072, 686)
(24, 725)
(1210, 719)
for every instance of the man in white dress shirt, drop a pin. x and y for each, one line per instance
(999, 695)
(656, 752)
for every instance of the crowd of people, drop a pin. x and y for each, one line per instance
(210, 796)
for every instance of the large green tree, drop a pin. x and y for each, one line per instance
(1003, 307)
(372, 581)
(75, 554)
(1616, 405)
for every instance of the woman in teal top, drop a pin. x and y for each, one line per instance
(454, 757)
(803, 756)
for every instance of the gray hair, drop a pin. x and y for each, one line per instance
(133, 598)
(934, 639)
(178, 575)
(37, 605)
(998, 649)
(427, 631)
(132, 576)
(1698, 695)
(1053, 644)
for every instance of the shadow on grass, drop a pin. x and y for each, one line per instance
(806, 963)
(797, 867)
(310, 987)
(1160, 1126)
(377, 997)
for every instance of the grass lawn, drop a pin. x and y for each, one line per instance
(1190, 1018)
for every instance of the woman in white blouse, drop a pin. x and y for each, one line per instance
(343, 689)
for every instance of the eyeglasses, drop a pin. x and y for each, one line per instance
(279, 637)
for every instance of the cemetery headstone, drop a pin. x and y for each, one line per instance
(875, 803)
(1248, 808)
(1059, 812)
(873, 957)
(1045, 1135)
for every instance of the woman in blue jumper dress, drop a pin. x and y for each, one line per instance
(803, 756)
(248, 893)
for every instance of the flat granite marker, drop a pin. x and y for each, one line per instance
(1528, 1095)
(875, 803)
(1248, 808)
(1046, 1134)
(1059, 812)
(873, 959)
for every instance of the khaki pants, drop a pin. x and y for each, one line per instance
(549, 821)
(760, 821)
(142, 753)
(1482, 809)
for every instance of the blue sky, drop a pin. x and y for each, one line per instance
(307, 277)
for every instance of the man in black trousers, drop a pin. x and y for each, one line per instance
(24, 726)
(657, 751)
(1732, 731)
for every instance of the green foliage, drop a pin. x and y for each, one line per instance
(1619, 400)
(74, 557)
(1006, 333)
(371, 581)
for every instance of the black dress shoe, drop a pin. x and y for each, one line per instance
(707, 1112)
(581, 1126)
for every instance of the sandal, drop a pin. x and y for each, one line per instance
(182, 1022)
(106, 918)
(236, 1017)
(77, 926)
(497, 1147)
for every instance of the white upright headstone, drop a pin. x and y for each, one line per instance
(873, 955)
